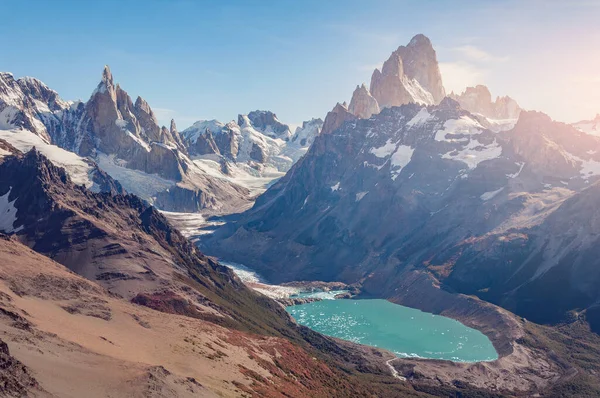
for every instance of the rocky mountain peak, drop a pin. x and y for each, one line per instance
(267, 123)
(410, 74)
(363, 104)
(173, 127)
(143, 106)
(449, 104)
(336, 117)
(107, 77)
(478, 99)
(27, 102)
(420, 40)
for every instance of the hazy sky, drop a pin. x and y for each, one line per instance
(214, 59)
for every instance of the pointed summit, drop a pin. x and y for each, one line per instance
(411, 74)
(107, 75)
(336, 117)
(363, 105)
(420, 40)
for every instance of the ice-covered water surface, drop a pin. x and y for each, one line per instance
(256, 282)
(243, 272)
(329, 295)
(405, 331)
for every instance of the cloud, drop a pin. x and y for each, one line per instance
(459, 75)
(476, 54)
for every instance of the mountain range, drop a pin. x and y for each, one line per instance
(438, 190)
(210, 165)
(455, 204)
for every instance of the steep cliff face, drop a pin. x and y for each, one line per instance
(411, 74)
(336, 118)
(419, 190)
(363, 104)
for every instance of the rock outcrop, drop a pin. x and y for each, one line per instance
(336, 118)
(363, 104)
(267, 123)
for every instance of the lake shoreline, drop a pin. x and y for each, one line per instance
(519, 368)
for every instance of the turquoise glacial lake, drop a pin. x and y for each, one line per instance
(404, 331)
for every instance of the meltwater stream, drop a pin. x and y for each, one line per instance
(407, 332)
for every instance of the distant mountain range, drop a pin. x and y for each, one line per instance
(199, 169)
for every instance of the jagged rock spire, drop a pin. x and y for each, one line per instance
(336, 117)
(411, 74)
(363, 104)
(107, 75)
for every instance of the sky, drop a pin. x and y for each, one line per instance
(195, 60)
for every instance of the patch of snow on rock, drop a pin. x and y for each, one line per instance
(490, 195)
(361, 195)
(385, 150)
(420, 118)
(474, 153)
(400, 159)
(8, 214)
(463, 126)
(515, 175)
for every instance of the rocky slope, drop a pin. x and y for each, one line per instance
(123, 137)
(66, 336)
(144, 283)
(430, 191)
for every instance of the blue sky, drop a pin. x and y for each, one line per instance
(214, 59)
